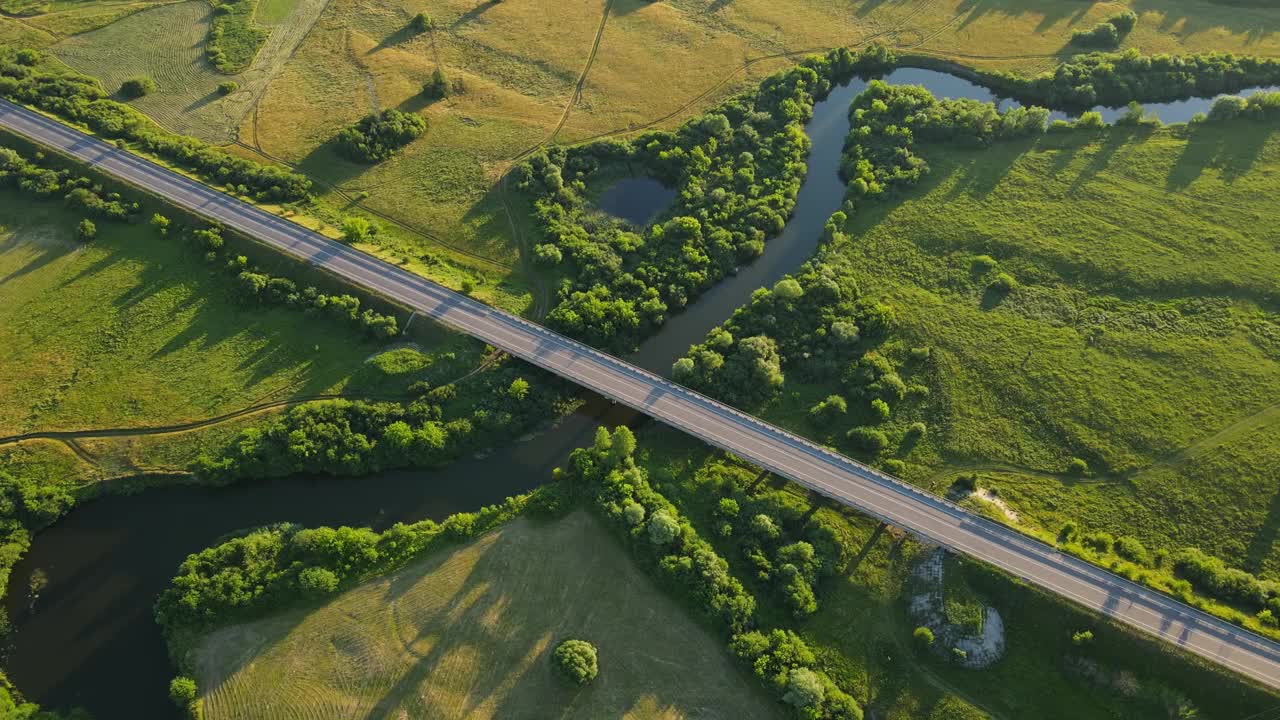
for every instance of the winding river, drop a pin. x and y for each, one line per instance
(89, 640)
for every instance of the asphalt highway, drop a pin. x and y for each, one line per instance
(783, 453)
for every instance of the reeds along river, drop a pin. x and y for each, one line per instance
(89, 639)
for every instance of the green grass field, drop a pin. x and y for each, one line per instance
(862, 631)
(135, 330)
(468, 633)
(1143, 338)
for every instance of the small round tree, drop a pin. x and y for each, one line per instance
(576, 660)
(182, 690)
(136, 87)
(923, 637)
(86, 231)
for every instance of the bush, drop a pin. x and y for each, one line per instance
(137, 87)
(868, 439)
(420, 23)
(1084, 637)
(923, 637)
(917, 430)
(378, 136)
(663, 528)
(1003, 283)
(1077, 467)
(804, 689)
(1107, 34)
(86, 231)
(228, 87)
(576, 661)
(182, 691)
(1130, 549)
(317, 581)
(879, 410)
(830, 409)
(437, 87)
(1212, 577)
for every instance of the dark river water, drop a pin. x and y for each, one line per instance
(90, 640)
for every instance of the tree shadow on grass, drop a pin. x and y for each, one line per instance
(328, 165)
(1052, 11)
(399, 37)
(1255, 23)
(1262, 542)
(1114, 138)
(474, 14)
(1232, 147)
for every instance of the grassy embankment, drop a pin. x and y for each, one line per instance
(861, 631)
(469, 631)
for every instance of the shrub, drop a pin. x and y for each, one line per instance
(228, 87)
(831, 408)
(27, 57)
(868, 439)
(663, 528)
(1132, 550)
(917, 430)
(356, 228)
(1212, 577)
(547, 255)
(804, 689)
(437, 87)
(317, 581)
(966, 483)
(86, 231)
(576, 661)
(923, 637)
(1099, 542)
(1077, 467)
(894, 466)
(378, 136)
(1003, 283)
(136, 87)
(1084, 637)
(728, 508)
(879, 410)
(1107, 34)
(182, 691)
(160, 223)
(1069, 532)
(420, 23)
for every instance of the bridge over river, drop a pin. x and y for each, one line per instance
(784, 453)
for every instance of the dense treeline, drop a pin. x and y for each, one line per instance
(378, 136)
(234, 38)
(1185, 573)
(666, 543)
(260, 287)
(344, 437)
(886, 120)
(79, 192)
(1115, 79)
(737, 168)
(80, 99)
(12, 707)
(278, 566)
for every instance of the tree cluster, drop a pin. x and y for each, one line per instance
(234, 37)
(1259, 106)
(786, 665)
(886, 120)
(262, 288)
(1107, 34)
(737, 169)
(666, 543)
(80, 99)
(81, 193)
(1115, 79)
(344, 437)
(1212, 577)
(378, 136)
(277, 566)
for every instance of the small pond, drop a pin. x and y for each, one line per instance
(636, 199)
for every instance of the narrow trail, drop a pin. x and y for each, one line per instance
(586, 70)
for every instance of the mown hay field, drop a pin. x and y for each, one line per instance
(167, 44)
(469, 632)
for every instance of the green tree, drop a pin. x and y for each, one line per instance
(317, 581)
(86, 231)
(182, 690)
(356, 228)
(420, 23)
(519, 389)
(160, 223)
(923, 637)
(662, 528)
(804, 688)
(576, 660)
(136, 87)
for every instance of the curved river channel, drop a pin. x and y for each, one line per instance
(90, 640)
